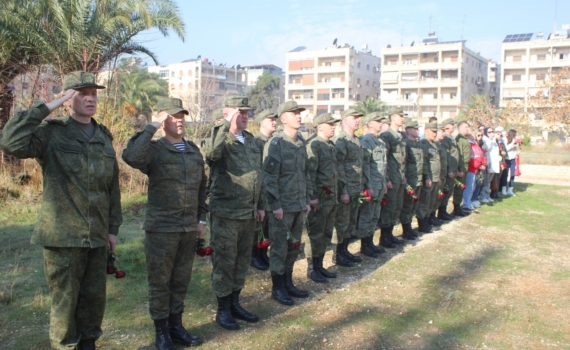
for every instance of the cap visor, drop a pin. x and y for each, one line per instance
(99, 87)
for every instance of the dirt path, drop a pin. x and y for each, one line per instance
(545, 174)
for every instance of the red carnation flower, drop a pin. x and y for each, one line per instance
(415, 200)
(259, 245)
(369, 198)
(327, 190)
(111, 269)
(463, 187)
(384, 202)
(201, 252)
(296, 244)
(446, 192)
(209, 251)
(120, 274)
(365, 193)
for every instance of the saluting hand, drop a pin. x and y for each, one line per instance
(55, 104)
(231, 116)
(160, 119)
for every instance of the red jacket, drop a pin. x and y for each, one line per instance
(477, 158)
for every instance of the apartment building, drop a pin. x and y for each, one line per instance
(432, 78)
(255, 71)
(202, 84)
(527, 62)
(494, 80)
(331, 80)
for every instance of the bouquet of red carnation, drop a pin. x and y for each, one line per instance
(440, 194)
(384, 202)
(410, 191)
(362, 197)
(113, 265)
(201, 249)
(415, 199)
(294, 242)
(326, 194)
(459, 184)
(262, 243)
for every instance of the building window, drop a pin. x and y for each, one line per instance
(541, 57)
(190, 72)
(453, 58)
(408, 61)
(563, 56)
(358, 80)
(467, 60)
(323, 97)
(517, 77)
(172, 74)
(172, 87)
(367, 67)
(540, 76)
(190, 87)
(367, 82)
(163, 73)
(358, 64)
(181, 74)
(328, 64)
(358, 97)
(517, 58)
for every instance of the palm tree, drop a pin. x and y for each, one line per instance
(370, 105)
(479, 109)
(139, 91)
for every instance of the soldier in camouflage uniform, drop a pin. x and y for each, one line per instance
(175, 216)
(395, 178)
(267, 125)
(288, 186)
(430, 179)
(81, 206)
(433, 220)
(370, 210)
(464, 158)
(323, 171)
(452, 152)
(354, 173)
(236, 203)
(414, 172)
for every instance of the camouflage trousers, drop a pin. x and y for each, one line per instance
(390, 213)
(427, 200)
(76, 278)
(369, 215)
(346, 219)
(409, 208)
(169, 260)
(231, 241)
(450, 184)
(458, 192)
(320, 226)
(438, 201)
(282, 255)
(261, 230)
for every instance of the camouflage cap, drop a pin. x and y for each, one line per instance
(431, 126)
(350, 112)
(325, 118)
(170, 106)
(396, 110)
(239, 102)
(265, 114)
(410, 123)
(288, 106)
(374, 116)
(218, 114)
(385, 119)
(448, 121)
(79, 80)
(441, 126)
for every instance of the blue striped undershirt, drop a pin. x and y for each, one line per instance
(181, 146)
(240, 138)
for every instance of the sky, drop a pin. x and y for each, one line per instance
(249, 32)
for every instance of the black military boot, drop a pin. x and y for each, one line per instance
(290, 287)
(423, 226)
(263, 255)
(224, 316)
(339, 258)
(348, 254)
(238, 311)
(162, 340)
(366, 248)
(326, 273)
(457, 211)
(393, 238)
(433, 220)
(444, 215)
(313, 271)
(408, 232)
(179, 334)
(278, 291)
(385, 240)
(86, 344)
(256, 260)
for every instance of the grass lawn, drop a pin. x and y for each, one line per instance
(498, 279)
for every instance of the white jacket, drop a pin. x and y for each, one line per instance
(493, 155)
(511, 150)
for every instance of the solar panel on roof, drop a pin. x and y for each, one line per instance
(515, 38)
(298, 49)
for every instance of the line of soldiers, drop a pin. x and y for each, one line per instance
(260, 187)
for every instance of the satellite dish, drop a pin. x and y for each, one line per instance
(199, 57)
(413, 43)
(334, 42)
(389, 46)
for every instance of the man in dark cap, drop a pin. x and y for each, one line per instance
(175, 217)
(430, 179)
(415, 163)
(81, 206)
(452, 152)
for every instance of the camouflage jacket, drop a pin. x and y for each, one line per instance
(235, 171)
(176, 181)
(377, 160)
(81, 200)
(286, 174)
(464, 152)
(396, 149)
(323, 169)
(353, 164)
(432, 163)
(442, 160)
(415, 162)
(452, 150)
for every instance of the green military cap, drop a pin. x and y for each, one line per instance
(448, 121)
(385, 119)
(410, 123)
(441, 126)
(218, 114)
(325, 118)
(396, 110)
(265, 114)
(80, 80)
(239, 102)
(170, 106)
(350, 112)
(371, 117)
(431, 126)
(288, 106)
